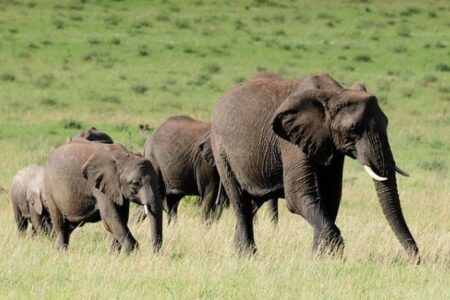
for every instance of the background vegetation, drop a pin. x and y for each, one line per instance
(124, 66)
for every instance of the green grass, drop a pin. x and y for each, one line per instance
(116, 65)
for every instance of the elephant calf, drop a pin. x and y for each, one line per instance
(180, 151)
(28, 200)
(88, 182)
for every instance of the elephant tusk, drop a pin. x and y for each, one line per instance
(146, 209)
(401, 172)
(373, 174)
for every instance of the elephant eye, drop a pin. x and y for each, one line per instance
(353, 131)
(136, 183)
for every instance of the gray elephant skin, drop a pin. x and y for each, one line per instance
(88, 182)
(288, 138)
(28, 200)
(180, 150)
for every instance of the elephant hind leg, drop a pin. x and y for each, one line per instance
(172, 202)
(273, 210)
(242, 205)
(60, 224)
(21, 221)
(210, 202)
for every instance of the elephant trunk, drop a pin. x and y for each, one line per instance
(152, 201)
(377, 155)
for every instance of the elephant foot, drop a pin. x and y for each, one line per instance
(328, 243)
(114, 246)
(62, 247)
(245, 247)
(248, 250)
(129, 247)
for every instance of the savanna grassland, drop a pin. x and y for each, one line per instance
(125, 66)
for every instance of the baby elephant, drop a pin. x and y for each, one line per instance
(88, 182)
(28, 200)
(180, 151)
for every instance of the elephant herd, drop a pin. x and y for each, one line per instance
(269, 138)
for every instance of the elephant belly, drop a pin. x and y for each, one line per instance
(258, 172)
(178, 184)
(74, 205)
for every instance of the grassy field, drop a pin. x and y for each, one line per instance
(116, 65)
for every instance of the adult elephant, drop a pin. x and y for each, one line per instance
(28, 200)
(288, 138)
(88, 182)
(180, 151)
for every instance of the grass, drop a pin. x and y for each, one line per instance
(118, 65)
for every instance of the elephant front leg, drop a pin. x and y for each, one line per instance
(115, 219)
(303, 198)
(329, 180)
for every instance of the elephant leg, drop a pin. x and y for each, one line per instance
(273, 210)
(212, 210)
(114, 244)
(36, 221)
(60, 225)
(244, 238)
(303, 198)
(172, 202)
(243, 208)
(329, 179)
(47, 226)
(139, 215)
(21, 221)
(115, 219)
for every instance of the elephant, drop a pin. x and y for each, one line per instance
(28, 200)
(180, 151)
(88, 181)
(92, 134)
(273, 137)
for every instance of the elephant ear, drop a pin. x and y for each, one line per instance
(101, 172)
(303, 120)
(35, 201)
(206, 149)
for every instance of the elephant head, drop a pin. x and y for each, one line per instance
(323, 122)
(125, 176)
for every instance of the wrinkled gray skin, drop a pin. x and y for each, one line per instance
(88, 182)
(180, 151)
(28, 200)
(288, 138)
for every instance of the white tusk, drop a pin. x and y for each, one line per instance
(401, 172)
(146, 209)
(373, 174)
